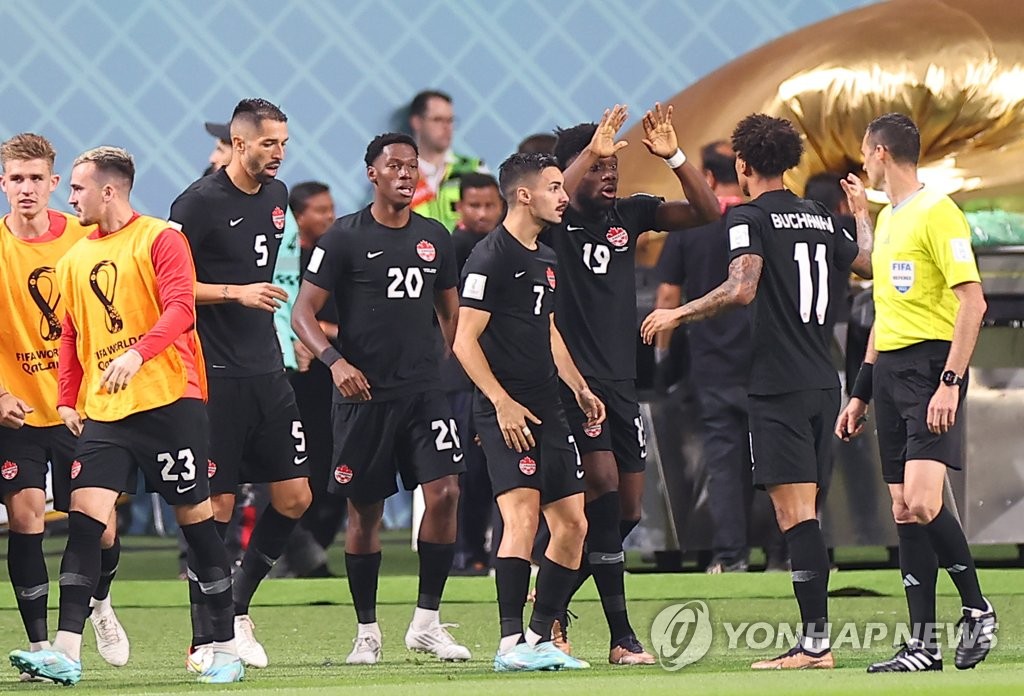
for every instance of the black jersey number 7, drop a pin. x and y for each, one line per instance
(802, 256)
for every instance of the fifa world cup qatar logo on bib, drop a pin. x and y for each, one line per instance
(343, 474)
(103, 283)
(617, 236)
(277, 215)
(42, 288)
(9, 470)
(528, 466)
(425, 250)
(550, 272)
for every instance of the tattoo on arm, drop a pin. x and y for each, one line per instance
(738, 289)
(865, 243)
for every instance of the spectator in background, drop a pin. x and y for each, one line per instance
(480, 208)
(221, 153)
(538, 142)
(432, 121)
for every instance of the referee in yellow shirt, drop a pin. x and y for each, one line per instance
(928, 311)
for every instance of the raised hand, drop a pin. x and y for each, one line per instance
(856, 197)
(603, 143)
(660, 134)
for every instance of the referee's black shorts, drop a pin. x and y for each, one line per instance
(905, 381)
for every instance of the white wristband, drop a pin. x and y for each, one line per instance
(676, 160)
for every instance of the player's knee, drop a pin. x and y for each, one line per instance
(923, 511)
(296, 504)
(109, 536)
(521, 529)
(630, 507)
(901, 513)
(442, 496)
(570, 527)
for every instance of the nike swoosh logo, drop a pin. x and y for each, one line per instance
(278, 235)
(186, 489)
(520, 274)
(235, 222)
(579, 473)
(219, 367)
(373, 254)
(299, 460)
(573, 229)
(457, 458)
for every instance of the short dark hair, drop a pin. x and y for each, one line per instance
(255, 111)
(519, 166)
(538, 142)
(298, 197)
(898, 134)
(721, 166)
(825, 188)
(571, 141)
(418, 105)
(770, 145)
(377, 145)
(476, 180)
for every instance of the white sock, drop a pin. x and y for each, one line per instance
(70, 644)
(100, 606)
(41, 645)
(533, 638)
(227, 646)
(814, 645)
(372, 629)
(425, 618)
(508, 642)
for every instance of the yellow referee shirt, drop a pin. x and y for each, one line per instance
(922, 250)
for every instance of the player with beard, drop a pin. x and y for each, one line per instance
(783, 250)
(510, 347)
(234, 221)
(390, 271)
(596, 310)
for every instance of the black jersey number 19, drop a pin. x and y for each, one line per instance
(802, 256)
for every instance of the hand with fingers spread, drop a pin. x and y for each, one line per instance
(851, 421)
(592, 407)
(659, 133)
(856, 196)
(350, 381)
(120, 370)
(72, 419)
(512, 419)
(13, 411)
(603, 143)
(265, 296)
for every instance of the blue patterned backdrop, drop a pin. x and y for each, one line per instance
(145, 74)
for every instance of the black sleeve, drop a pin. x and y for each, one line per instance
(743, 227)
(481, 283)
(327, 260)
(671, 266)
(638, 212)
(187, 213)
(846, 244)
(448, 273)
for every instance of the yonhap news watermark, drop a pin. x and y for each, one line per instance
(682, 634)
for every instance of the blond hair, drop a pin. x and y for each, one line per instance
(110, 160)
(27, 146)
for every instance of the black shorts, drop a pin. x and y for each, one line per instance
(905, 381)
(622, 433)
(791, 436)
(415, 436)
(553, 467)
(255, 432)
(170, 445)
(28, 452)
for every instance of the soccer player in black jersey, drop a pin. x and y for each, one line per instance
(234, 221)
(596, 310)
(783, 250)
(510, 347)
(390, 271)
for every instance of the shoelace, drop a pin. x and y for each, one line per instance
(370, 642)
(442, 630)
(107, 629)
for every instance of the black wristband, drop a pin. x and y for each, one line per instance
(862, 386)
(329, 356)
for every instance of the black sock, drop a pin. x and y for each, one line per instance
(920, 571)
(435, 565)
(363, 570)
(202, 627)
(606, 562)
(213, 576)
(553, 584)
(27, 569)
(627, 526)
(954, 555)
(512, 580)
(809, 559)
(266, 545)
(79, 571)
(109, 559)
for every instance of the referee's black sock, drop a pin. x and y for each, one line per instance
(266, 545)
(512, 581)
(79, 571)
(954, 555)
(554, 582)
(209, 562)
(202, 628)
(809, 559)
(605, 560)
(920, 570)
(363, 570)
(435, 566)
(109, 558)
(27, 569)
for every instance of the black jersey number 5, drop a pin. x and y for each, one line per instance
(802, 256)
(262, 252)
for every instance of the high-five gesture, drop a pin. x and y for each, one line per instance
(660, 135)
(603, 143)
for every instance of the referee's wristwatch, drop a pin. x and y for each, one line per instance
(952, 379)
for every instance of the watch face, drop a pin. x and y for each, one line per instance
(950, 378)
